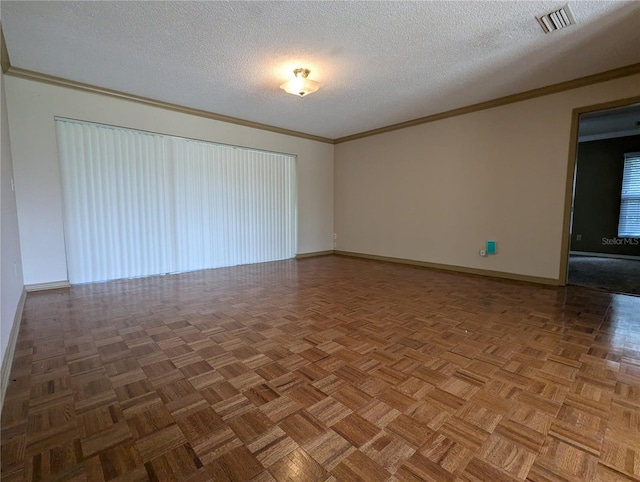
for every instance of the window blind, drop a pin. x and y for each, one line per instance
(138, 204)
(629, 224)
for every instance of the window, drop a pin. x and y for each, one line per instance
(629, 225)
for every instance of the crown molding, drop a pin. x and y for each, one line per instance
(71, 84)
(500, 101)
(608, 75)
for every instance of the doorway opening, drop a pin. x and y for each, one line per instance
(604, 229)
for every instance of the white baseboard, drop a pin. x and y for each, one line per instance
(47, 286)
(604, 255)
(7, 360)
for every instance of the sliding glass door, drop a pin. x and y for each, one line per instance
(137, 203)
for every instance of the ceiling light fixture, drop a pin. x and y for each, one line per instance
(300, 85)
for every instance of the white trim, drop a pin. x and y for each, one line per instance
(54, 285)
(7, 360)
(604, 255)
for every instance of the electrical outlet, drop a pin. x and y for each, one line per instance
(578, 237)
(483, 252)
(15, 268)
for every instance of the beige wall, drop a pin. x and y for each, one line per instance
(434, 192)
(32, 107)
(438, 191)
(11, 283)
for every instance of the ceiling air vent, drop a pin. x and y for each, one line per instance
(556, 20)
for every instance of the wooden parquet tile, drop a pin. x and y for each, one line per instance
(324, 369)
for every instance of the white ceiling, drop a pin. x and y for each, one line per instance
(381, 63)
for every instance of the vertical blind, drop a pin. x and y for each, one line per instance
(629, 224)
(138, 204)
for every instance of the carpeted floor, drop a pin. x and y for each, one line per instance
(610, 274)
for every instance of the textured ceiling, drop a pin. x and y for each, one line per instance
(381, 63)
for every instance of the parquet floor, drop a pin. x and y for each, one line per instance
(324, 369)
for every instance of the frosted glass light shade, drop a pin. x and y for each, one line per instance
(300, 85)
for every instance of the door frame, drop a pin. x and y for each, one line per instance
(571, 172)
